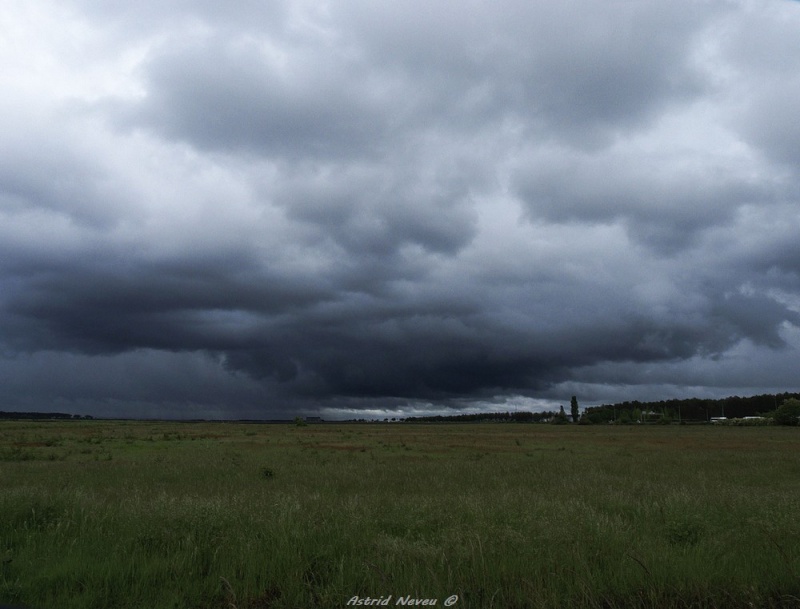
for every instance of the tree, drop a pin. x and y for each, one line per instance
(574, 410)
(788, 413)
(561, 417)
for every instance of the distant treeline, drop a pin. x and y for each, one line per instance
(497, 417)
(41, 415)
(688, 410)
(692, 409)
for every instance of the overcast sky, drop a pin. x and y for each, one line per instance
(360, 208)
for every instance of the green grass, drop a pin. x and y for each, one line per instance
(210, 515)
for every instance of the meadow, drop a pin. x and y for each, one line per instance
(123, 514)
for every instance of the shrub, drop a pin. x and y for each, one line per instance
(788, 413)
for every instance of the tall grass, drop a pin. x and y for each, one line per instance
(100, 514)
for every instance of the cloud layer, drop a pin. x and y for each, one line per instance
(350, 207)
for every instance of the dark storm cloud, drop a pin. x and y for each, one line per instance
(302, 206)
(319, 344)
(580, 73)
(374, 215)
(768, 81)
(223, 95)
(574, 68)
(665, 200)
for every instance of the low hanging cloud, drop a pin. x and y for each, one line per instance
(349, 207)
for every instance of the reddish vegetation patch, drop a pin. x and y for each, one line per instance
(346, 447)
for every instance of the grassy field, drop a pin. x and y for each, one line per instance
(97, 514)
